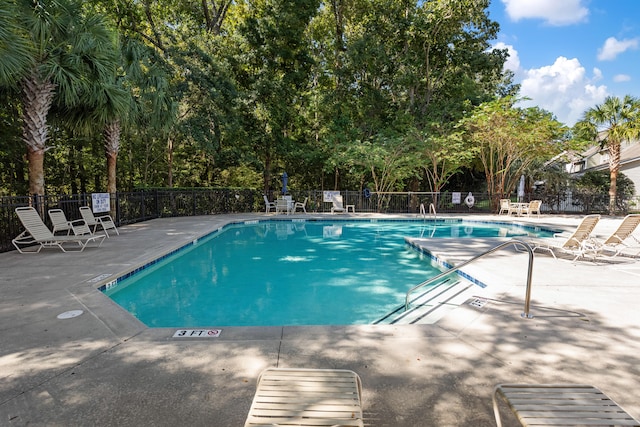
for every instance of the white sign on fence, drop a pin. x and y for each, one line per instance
(100, 202)
(455, 198)
(329, 196)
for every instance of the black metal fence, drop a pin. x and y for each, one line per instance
(131, 207)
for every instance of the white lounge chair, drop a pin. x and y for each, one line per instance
(59, 221)
(268, 205)
(37, 233)
(104, 221)
(337, 205)
(307, 397)
(618, 240)
(301, 205)
(579, 243)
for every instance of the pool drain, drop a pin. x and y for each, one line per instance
(478, 302)
(70, 314)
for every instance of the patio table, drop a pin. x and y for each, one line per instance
(519, 207)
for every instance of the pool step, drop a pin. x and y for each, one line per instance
(431, 305)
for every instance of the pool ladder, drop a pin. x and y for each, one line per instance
(432, 210)
(516, 243)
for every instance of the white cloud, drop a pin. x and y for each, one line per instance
(553, 12)
(562, 88)
(597, 74)
(613, 47)
(618, 78)
(513, 61)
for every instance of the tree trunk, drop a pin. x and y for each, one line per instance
(614, 168)
(267, 174)
(338, 14)
(112, 159)
(111, 149)
(36, 171)
(612, 192)
(214, 17)
(37, 96)
(170, 162)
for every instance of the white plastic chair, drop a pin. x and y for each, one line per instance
(268, 205)
(301, 205)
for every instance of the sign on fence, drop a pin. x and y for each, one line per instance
(100, 202)
(455, 198)
(329, 196)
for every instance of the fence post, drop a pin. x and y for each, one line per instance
(117, 208)
(38, 204)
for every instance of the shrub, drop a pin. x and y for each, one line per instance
(591, 191)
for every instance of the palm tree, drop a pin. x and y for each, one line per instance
(15, 52)
(610, 123)
(113, 106)
(110, 105)
(70, 50)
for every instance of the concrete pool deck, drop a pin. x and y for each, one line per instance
(104, 368)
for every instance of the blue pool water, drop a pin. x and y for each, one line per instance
(290, 273)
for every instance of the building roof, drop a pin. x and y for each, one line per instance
(629, 152)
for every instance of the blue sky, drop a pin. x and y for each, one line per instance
(569, 55)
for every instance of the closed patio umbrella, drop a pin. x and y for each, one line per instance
(285, 178)
(521, 189)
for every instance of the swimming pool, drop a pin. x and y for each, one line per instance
(277, 273)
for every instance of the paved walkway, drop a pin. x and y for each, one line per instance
(104, 368)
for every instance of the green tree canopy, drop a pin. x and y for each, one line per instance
(217, 88)
(510, 139)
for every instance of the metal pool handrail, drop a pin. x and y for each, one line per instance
(527, 298)
(432, 210)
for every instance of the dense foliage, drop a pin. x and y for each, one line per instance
(382, 94)
(591, 187)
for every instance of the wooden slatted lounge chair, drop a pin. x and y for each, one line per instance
(307, 397)
(579, 243)
(37, 234)
(560, 405)
(618, 240)
(104, 221)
